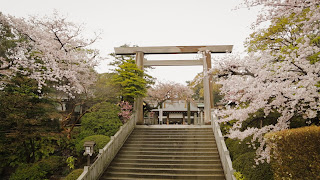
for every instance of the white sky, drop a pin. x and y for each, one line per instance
(150, 23)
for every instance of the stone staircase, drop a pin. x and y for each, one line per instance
(167, 153)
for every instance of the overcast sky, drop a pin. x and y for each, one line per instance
(150, 23)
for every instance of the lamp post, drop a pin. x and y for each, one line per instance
(88, 149)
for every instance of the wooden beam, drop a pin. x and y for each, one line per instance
(172, 49)
(173, 63)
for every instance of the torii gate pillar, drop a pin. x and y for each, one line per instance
(138, 103)
(207, 87)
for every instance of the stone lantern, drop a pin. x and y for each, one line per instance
(88, 149)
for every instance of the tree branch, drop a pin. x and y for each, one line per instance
(301, 70)
(247, 73)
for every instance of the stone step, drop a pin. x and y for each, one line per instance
(169, 145)
(172, 132)
(172, 157)
(124, 175)
(172, 149)
(197, 141)
(169, 142)
(165, 161)
(175, 157)
(155, 153)
(166, 170)
(173, 129)
(154, 141)
(172, 136)
(159, 165)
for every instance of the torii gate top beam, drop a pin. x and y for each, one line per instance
(173, 49)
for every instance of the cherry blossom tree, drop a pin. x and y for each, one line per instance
(281, 72)
(163, 91)
(54, 52)
(50, 49)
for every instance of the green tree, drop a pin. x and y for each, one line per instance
(105, 89)
(131, 80)
(103, 119)
(196, 86)
(28, 123)
(126, 68)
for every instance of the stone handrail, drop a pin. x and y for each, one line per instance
(107, 154)
(223, 150)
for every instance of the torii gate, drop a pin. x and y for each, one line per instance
(205, 61)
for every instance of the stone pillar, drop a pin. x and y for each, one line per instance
(155, 118)
(183, 119)
(201, 118)
(195, 119)
(188, 112)
(160, 115)
(206, 86)
(139, 100)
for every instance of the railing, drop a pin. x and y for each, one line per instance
(223, 150)
(107, 154)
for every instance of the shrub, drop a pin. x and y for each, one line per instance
(237, 147)
(38, 170)
(51, 164)
(74, 174)
(28, 171)
(243, 161)
(246, 165)
(296, 153)
(100, 141)
(103, 120)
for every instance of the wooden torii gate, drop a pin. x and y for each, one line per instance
(205, 62)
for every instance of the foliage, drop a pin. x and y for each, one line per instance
(28, 172)
(71, 161)
(296, 153)
(246, 165)
(130, 80)
(100, 141)
(168, 91)
(126, 111)
(26, 121)
(238, 175)
(51, 50)
(39, 170)
(242, 155)
(74, 174)
(280, 74)
(103, 120)
(105, 90)
(196, 86)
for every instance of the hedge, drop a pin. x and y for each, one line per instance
(74, 174)
(296, 153)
